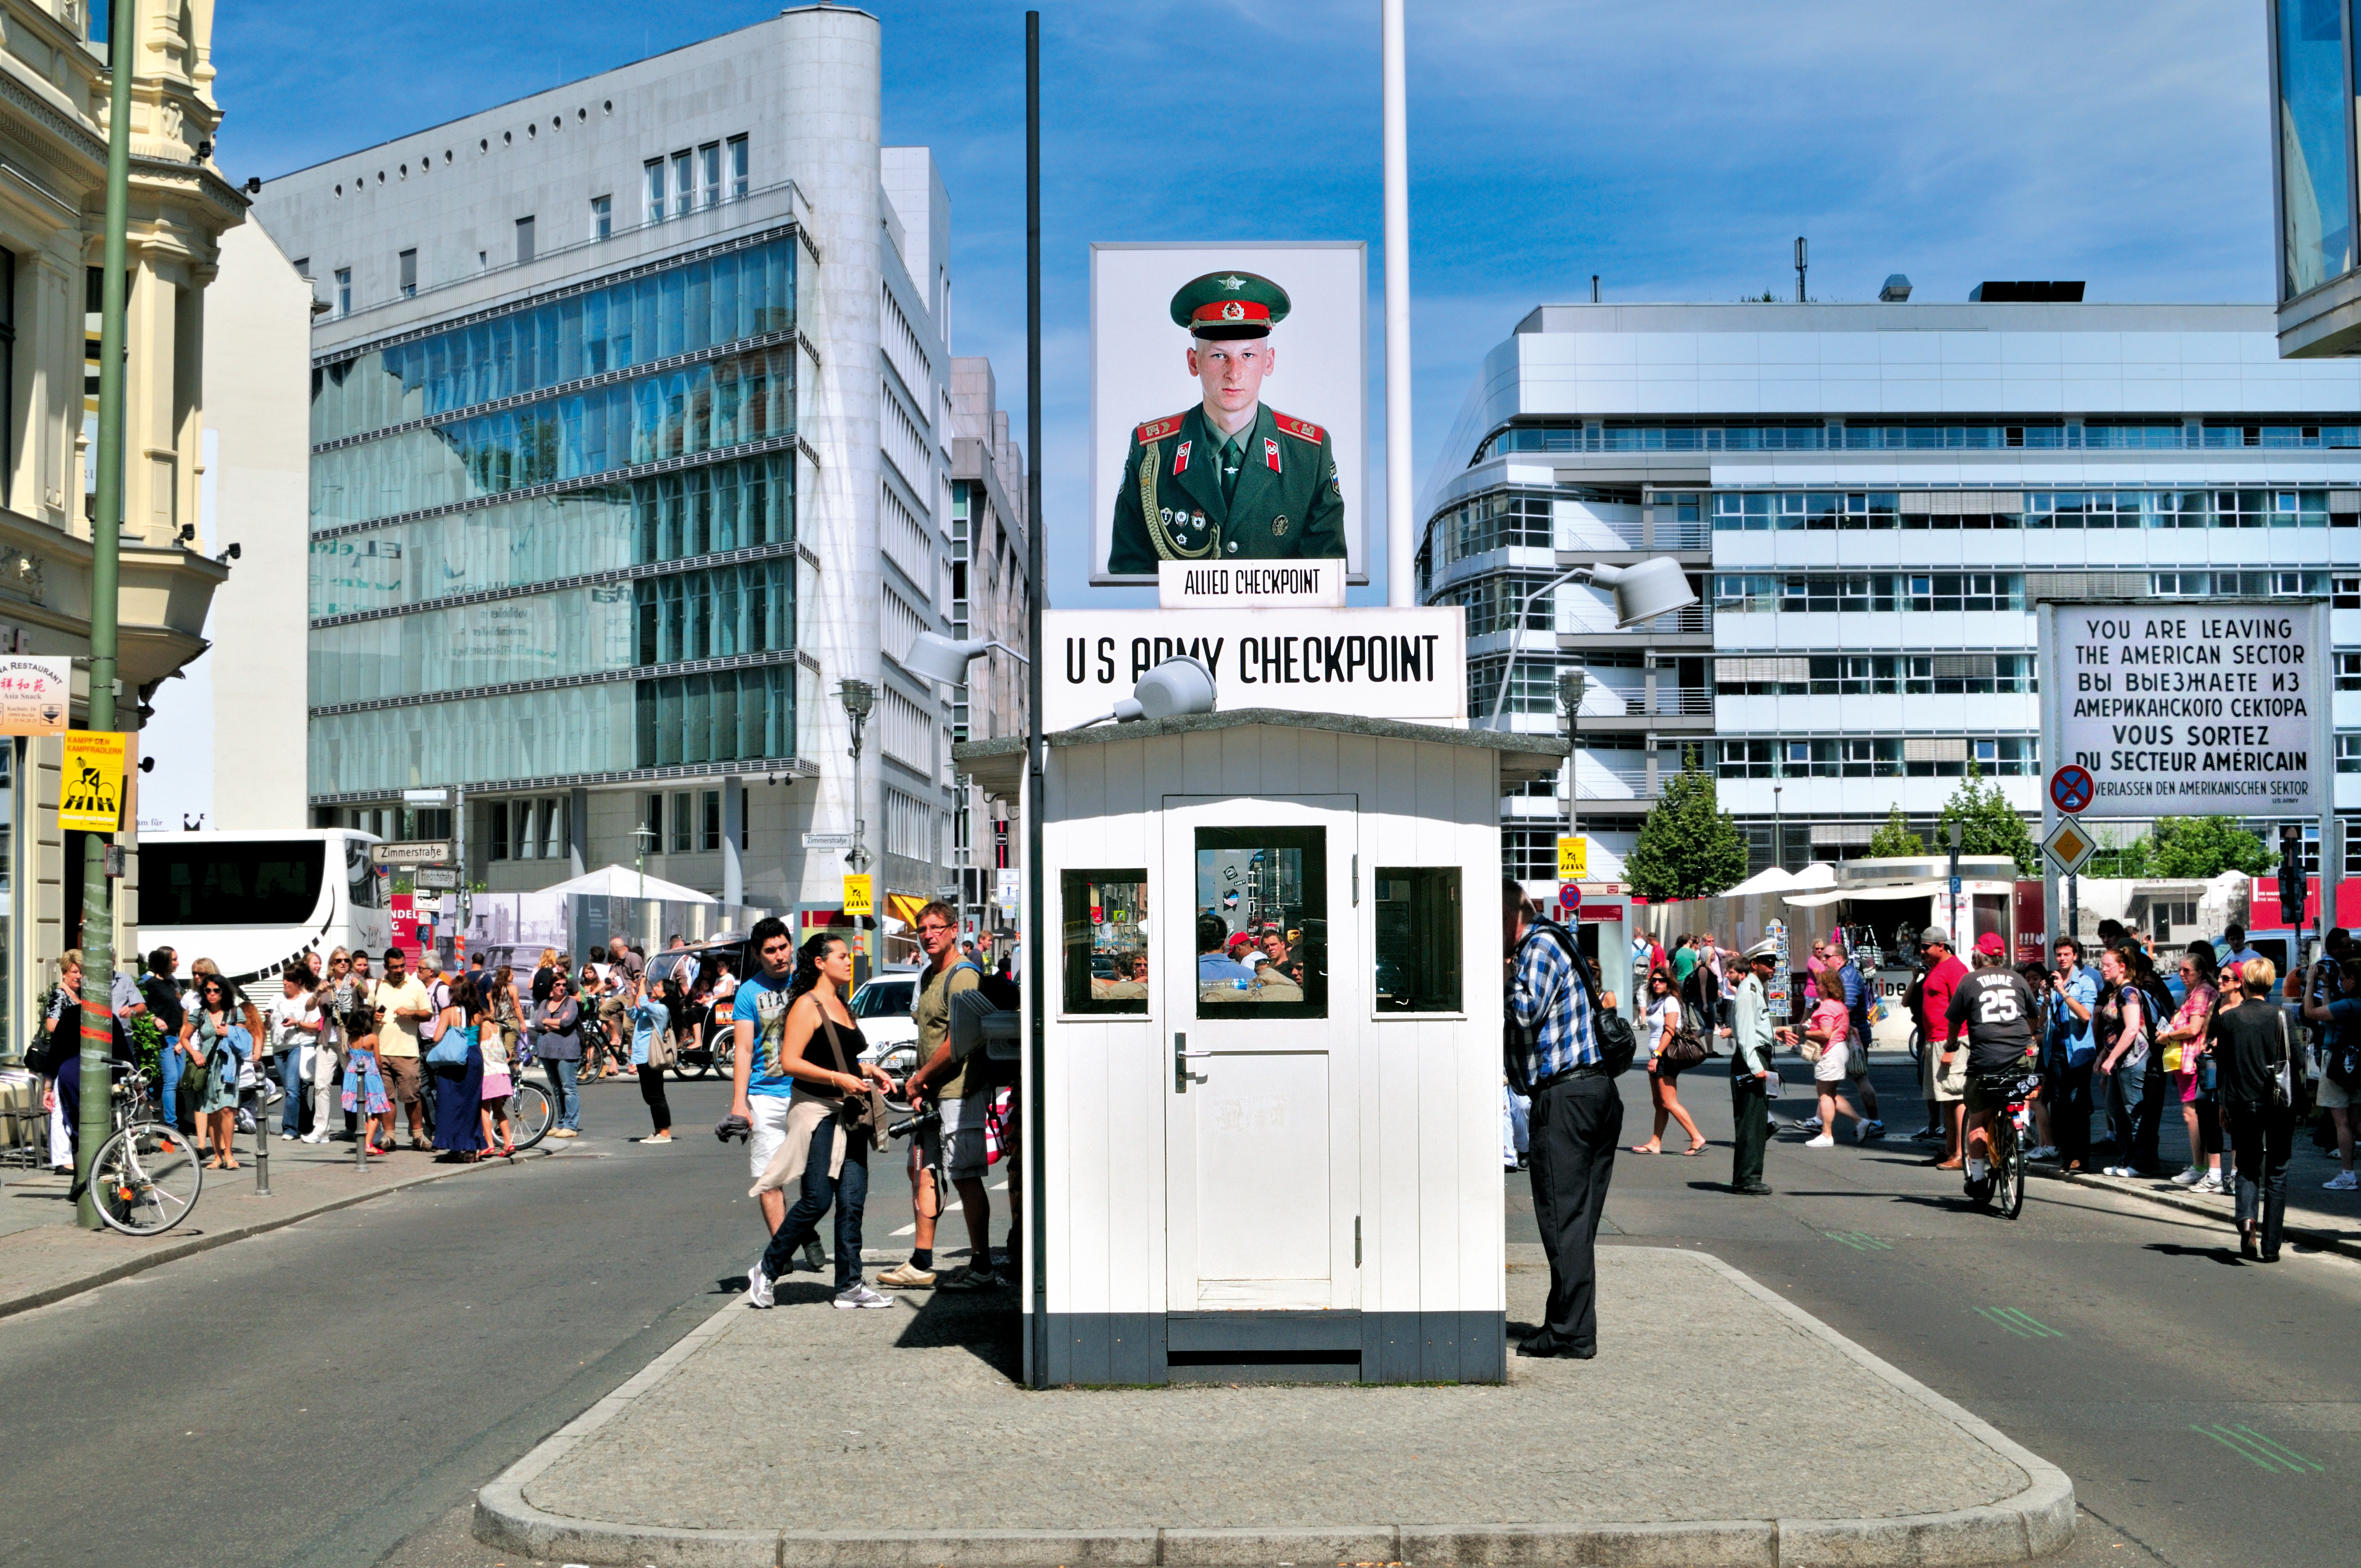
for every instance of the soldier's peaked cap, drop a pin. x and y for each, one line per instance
(1229, 304)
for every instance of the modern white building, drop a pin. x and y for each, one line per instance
(1869, 499)
(227, 734)
(631, 418)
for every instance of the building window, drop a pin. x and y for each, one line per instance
(7, 356)
(709, 835)
(524, 239)
(302, 267)
(409, 273)
(655, 167)
(681, 192)
(497, 821)
(737, 168)
(682, 824)
(1529, 854)
(2348, 672)
(602, 216)
(1418, 939)
(2348, 753)
(2314, 171)
(708, 174)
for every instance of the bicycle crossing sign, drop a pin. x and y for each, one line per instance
(2069, 847)
(2071, 788)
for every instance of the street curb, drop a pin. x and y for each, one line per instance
(2326, 1241)
(2038, 1522)
(189, 1246)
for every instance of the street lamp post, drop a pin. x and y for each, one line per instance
(1571, 684)
(859, 698)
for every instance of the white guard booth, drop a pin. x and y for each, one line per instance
(1270, 1086)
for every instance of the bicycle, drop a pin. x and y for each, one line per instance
(531, 1112)
(147, 1178)
(2011, 1130)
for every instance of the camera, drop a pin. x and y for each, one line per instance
(910, 1125)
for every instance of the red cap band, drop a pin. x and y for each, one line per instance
(1214, 311)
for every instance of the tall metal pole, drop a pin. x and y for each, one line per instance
(97, 1122)
(1402, 588)
(1034, 929)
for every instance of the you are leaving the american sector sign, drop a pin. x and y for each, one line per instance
(2216, 707)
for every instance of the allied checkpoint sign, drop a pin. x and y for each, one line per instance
(2219, 707)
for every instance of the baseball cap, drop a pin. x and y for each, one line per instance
(1991, 944)
(1933, 934)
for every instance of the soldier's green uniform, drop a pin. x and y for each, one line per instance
(1187, 493)
(1285, 504)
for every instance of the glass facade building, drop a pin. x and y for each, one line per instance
(556, 539)
(2313, 77)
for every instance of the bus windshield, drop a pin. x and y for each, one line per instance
(230, 882)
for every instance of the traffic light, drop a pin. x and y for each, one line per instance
(2292, 880)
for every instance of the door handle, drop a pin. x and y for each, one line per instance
(1181, 1057)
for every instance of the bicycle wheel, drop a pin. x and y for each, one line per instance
(1917, 1047)
(2008, 1170)
(529, 1113)
(146, 1179)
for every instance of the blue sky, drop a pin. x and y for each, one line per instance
(1676, 149)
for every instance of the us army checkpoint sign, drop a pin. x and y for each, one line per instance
(2214, 707)
(1319, 376)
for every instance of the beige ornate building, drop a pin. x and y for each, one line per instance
(54, 85)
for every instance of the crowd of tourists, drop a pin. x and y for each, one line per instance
(397, 1051)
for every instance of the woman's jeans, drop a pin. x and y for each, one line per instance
(849, 1192)
(290, 1084)
(651, 1094)
(2262, 1138)
(2135, 1110)
(166, 1104)
(565, 1088)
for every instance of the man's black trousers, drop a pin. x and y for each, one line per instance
(1749, 1110)
(1577, 1124)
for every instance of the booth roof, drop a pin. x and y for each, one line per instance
(622, 882)
(999, 764)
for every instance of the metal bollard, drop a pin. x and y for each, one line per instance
(262, 1147)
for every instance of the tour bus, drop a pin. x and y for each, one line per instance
(257, 902)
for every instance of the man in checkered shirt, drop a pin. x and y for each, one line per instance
(1553, 1055)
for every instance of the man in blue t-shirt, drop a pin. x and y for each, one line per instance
(2339, 1014)
(761, 1084)
(2066, 1063)
(1214, 964)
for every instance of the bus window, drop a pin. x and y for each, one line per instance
(230, 882)
(360, 876)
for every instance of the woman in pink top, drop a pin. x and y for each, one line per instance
(2190, 1026)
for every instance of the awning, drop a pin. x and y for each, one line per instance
(1905, 890)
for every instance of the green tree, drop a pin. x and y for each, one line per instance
(1989, 825)
(1895, 838)
(2205, 846)
(1689, 847)
(2131, 860)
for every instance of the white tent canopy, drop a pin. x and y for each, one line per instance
(1819, 874)
(1771, 879)
(622, 882)
(1894, 890)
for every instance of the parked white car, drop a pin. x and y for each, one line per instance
(881, 1005)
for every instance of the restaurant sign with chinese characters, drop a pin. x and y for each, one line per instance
(35, 694)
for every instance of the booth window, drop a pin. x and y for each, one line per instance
(1418, 939)
(1107, 940)
(1262, 922)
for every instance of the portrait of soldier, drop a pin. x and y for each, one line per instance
(1229, 479)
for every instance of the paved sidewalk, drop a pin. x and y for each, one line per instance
(1718, 1425)
(46, 1257)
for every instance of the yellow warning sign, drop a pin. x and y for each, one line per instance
(90, 796)
(860, 895)
(1572, 858)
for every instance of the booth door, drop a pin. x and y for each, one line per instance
(1261, 1145)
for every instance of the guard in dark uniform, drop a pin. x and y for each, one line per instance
(1231, 478)
(1753, 1042)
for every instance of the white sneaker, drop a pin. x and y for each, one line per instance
(315, 1138)
(859, 1298)
(2188, 1177)
(2343, 1181)
(2212, 1184)
(2042, 1151)
(1822, 1142)
(758, 1286)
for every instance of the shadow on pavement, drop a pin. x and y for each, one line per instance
(2218, 1253)
(985, 1325)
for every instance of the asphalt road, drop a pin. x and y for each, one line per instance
(331, 1394)
(2209, 1410)
(314, 1396)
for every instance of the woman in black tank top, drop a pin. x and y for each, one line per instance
(821, 1048)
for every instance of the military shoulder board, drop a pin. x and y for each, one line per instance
(1157, 430)
(1271, 453)
(1303, 430)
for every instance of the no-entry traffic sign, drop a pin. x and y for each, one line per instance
(2071, 788)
